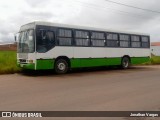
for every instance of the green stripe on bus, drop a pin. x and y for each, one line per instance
(43, 64)
(139, 60)
(94, 62)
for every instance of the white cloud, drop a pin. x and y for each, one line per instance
(98, 13)
(18, 12)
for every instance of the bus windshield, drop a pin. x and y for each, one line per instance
(26, 42)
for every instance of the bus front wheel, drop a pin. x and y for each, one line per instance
(61, 66)
(125, 62)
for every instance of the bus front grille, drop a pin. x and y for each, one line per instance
(22, 60)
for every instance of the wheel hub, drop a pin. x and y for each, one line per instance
(61, 66)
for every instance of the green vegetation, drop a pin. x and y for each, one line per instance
(8, 62)
(154, 60)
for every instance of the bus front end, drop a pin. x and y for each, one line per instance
(26, 61)
(26, 48)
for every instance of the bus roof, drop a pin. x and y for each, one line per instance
(33, 24)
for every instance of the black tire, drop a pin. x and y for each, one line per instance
(61, 66)
(125, 63)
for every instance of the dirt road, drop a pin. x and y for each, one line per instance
(135, 89)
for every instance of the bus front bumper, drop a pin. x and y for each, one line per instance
(30, 66)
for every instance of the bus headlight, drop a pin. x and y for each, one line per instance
(30, 61)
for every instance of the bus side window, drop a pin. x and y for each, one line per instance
(50, 39)
(145, 42)
(45, 41)
(40, 41)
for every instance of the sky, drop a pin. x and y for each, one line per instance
(90, 13)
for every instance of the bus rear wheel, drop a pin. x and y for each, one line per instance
(61, 66)
(125, 63)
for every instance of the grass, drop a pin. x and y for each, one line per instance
(8, 63)
(155, 60)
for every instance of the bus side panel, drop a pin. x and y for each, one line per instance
(107, 56)
(94, 62)
(139, 60)
(47, 60)
(45, 64)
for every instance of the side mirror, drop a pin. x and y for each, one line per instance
(16, 36)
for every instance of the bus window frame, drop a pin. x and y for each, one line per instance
(57, 36)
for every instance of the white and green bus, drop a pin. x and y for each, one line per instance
(44, 45)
